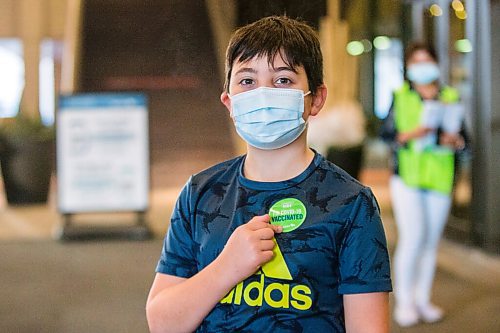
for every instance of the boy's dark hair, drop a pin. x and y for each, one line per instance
(419, 46)
(271, 35)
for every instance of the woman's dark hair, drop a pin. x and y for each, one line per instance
(294, 40)
(420, 46)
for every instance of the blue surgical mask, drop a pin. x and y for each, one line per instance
(269, 118)
(423, 73)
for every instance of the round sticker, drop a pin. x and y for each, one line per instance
(289, 213)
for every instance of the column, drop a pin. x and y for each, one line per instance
(222, 16)
(30, 30)
(340, 69)
(417, 19)
(72, 45)
(492, 239)
(485, 38)
(442, 33)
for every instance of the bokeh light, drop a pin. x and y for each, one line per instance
(382, 42)
(436, 10)
(463, 45)
(355, 48)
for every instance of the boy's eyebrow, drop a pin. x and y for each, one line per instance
(285, 68)
(254, 71)
(246, 70)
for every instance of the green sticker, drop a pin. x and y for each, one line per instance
(289, 213)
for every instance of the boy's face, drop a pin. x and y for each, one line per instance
(257, 72)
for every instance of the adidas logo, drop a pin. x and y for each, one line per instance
(276, 295)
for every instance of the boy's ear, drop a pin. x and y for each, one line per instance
(318, 99)
(224, 98)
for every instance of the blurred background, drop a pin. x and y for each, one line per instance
(89, 270)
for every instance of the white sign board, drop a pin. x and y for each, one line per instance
(102, 153)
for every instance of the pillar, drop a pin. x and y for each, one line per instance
(72, 47)
(340, 69)
(30, 29)
(484, 34)
(222, 16)
(441, 43)
(417, 20)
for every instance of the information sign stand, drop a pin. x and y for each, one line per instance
(102, 163)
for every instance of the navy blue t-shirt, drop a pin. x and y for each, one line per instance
(336, 245)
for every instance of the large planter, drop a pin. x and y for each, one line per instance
(27, 165)
(350, 159)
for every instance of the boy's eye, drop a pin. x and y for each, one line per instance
(245, 82)
(283, 81)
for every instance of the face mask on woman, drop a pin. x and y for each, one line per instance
(423, 72)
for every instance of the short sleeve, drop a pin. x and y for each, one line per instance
(178, 253)
(364, 259)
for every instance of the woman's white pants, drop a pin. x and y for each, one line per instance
(420, 218)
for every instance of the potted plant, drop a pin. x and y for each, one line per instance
(339, 133)
(27, 153)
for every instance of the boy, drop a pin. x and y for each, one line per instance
(277, 240)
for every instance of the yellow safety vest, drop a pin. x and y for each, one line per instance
(432, 168)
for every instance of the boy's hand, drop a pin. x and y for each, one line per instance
(249, 247)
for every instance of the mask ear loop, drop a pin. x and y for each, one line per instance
(307, 93)
(230, 98)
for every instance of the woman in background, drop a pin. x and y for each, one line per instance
(423, 128)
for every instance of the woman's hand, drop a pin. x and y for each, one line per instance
(419, 132)
(454, 141)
